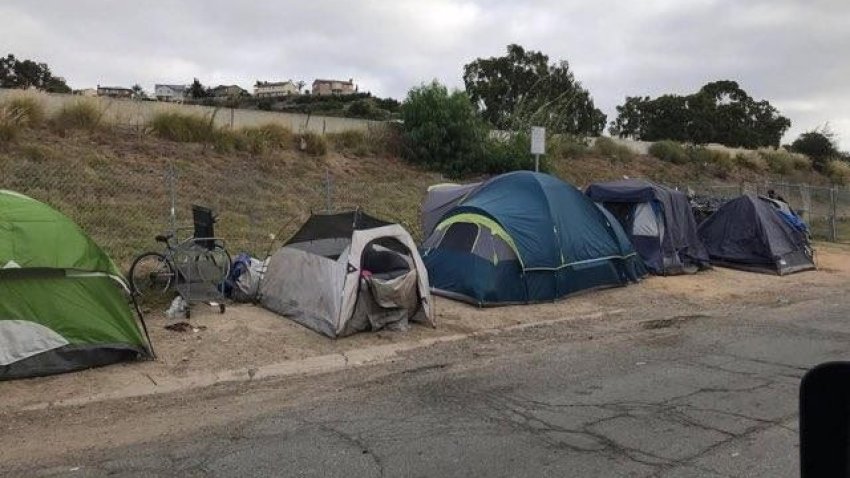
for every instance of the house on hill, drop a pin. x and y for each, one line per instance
(114, 91)
(333, 87)
(228, 91)
(277, 89)
(170, 92)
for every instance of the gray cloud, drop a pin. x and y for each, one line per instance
(789, 52)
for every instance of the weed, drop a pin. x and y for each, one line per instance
(669, 151)
(751, 161)
(838, 171)
(29, 111)
(182, 127)
(312, 144)
(10, 127)
(778, 161)
(82, 114)
(610, 149)
(568, 146)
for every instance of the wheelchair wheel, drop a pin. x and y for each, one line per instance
(151, 274)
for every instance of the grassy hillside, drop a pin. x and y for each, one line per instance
(117, 184)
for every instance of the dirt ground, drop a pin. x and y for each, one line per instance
(248, 336)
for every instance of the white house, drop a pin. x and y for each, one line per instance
(267, 89)
(170, 92)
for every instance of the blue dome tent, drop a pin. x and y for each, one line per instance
(525, 237)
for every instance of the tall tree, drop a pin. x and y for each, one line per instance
(523, 88)
(16, 73)
(720, 112)
(197, 90)
(139, 92)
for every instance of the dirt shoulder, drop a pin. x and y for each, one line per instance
(248, 339)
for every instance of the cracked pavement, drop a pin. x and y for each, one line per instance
(711, 396)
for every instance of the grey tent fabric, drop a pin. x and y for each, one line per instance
(748, 233)
(347, 273)
(441, 199)
(677, 247)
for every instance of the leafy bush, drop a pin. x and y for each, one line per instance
(751, 161)
(669, 151)
(818, 144)
(838, 171)
(312, 144)
(504, 153)
(442, 130)
(610, 149)
(82, 114)
(28, 110)
(182, 127)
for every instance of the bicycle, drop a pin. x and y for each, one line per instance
(195, 267)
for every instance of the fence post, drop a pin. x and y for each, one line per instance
(833, 232)
(171, 176)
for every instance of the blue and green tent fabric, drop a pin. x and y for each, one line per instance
(527, 237)
(63, 303)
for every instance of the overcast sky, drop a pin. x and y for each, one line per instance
(792, 53)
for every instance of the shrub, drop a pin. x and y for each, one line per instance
(751, 161)
(801, 162)
(312, 144)
(669, 151)
(608, 148)
(183, 127)
(778, 161)
(442, 130)
(350, 141)
(838, 171)
(720, 162)
(504, 153)
(28, 110)
(264, 138)
(818, 144)
(568, 146)
(9, 125)
(82, 114)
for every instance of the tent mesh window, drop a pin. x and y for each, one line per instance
(328, 235)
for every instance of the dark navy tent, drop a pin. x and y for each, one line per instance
(659, 222)
(750, 233)
(526, 237)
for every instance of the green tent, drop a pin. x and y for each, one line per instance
(63, 303)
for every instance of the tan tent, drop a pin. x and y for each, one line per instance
(347, 273)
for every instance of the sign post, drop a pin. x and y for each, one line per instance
(538, 144)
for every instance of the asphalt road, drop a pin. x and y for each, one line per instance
(682, 396)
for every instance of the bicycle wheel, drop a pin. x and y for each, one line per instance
(151, 274)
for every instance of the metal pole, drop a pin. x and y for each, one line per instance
(536, 163)
(172, 190)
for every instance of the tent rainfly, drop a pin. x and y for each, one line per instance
(347, 273)
(751, 233)
(64, 305)
(658, 220)
(522, 237)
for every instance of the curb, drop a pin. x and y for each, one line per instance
(317, 365)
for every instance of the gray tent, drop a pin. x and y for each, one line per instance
(347, 273)
(659, 222)
(441, 199)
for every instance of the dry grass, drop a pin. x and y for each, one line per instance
(28, 110)
(610, 149)
(838, 171)
(83, 115)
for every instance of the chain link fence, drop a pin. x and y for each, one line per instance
(123, 201)
(123, 204)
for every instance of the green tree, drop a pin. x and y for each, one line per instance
(442, 130)
(15, 73)
(720, 112)
(522, 88)
(197, 90)
(139, 92)
(819, 144)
